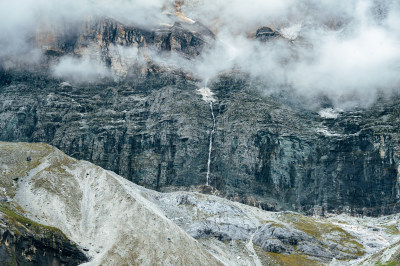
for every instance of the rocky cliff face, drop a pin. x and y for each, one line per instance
(311, 160)
(155, 132)
(153, 128)
(116, 222)
(22, 240)
(25, 242)
(97, 38)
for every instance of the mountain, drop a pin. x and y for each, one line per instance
(199, 133)
(150, 123)
(112, 221)
(102, 212)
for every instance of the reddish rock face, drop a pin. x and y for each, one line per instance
(182, 37)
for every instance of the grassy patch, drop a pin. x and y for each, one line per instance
(274, 224)
(58, 165)
(320, 230)
(16, 160)
(292, 260)
(269, 258)
(19, 220)
(391, 263)
(391, 229)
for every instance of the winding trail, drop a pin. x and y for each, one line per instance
(250, 248)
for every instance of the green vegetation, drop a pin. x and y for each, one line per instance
(320, 230)
(15, 157)
(269, 258)
(292, 260)
(392, 229)
(391, 263)
(19, 220)
(273, 223)
(58, 165)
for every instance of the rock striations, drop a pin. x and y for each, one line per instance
(150, 125)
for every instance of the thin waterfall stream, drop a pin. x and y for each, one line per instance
(208, 96)
(210, 146)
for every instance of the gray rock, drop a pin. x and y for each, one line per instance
(276, 246)
(34, 244)
(204, 218)
(223, 229)
(314, 250)
(265, 34)
(287, 236)
(282, 239)
(153, 129)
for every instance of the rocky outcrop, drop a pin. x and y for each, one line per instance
(387, 256)
(265, 34)
(96, 38)
(214, 219)
(305, 158)
(277, 238)
(285, 233)
(25, 242)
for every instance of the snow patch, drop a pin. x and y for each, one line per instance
(329, 113)
(327, 133)
(398, 173)
(207, 94)
(184, 18)
(291, 32)
(65, 84)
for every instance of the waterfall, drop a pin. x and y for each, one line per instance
(211, 143)
(208, 96)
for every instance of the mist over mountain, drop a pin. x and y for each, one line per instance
(230, 132)
(344, 50)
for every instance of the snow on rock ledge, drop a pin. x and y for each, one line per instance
(207, 94)
(329, 113)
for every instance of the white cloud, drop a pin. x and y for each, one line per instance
(346, 50)
(80, 69)
(342, 49)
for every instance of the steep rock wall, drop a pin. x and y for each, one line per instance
(154, 131)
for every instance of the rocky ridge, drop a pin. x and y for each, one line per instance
(95, 208)
(24, 242)
(85, 202)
